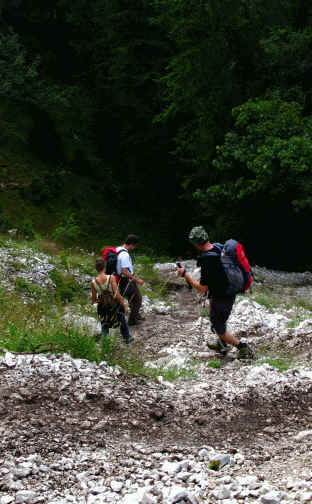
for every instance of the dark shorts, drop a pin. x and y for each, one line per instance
(220, 310)
(110, 316)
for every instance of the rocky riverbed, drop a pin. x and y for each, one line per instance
(75, 432)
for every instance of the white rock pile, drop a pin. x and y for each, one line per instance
(129, 472)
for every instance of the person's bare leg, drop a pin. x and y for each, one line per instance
(229, 338)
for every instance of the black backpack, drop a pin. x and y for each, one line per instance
(235, 265)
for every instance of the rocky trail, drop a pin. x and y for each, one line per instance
(75, 432)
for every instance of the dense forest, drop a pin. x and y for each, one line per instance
(151, 116)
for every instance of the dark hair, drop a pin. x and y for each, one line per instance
(131, 239)
(100, 264)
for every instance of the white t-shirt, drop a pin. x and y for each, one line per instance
(124, 261)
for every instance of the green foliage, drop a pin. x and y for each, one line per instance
(83, 262)
(267, 299)
(280, 363)
(268, 151)
(109, 349)
(216, 50)
(287, 56)
(173, 373)
(65, 260)
(303, 309)
(205, 312)
(5, 223)
(17, 265)
(80, 345)
(145, 267)
(26, 228)
(214, 363)
(18, 75)
(22, 285)
(44, 188)
(67, 288)
(130, 101)
(214, 465)
(263, 177)
(67, 230)
(303, 303)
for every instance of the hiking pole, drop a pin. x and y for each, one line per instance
(115, 311)
(202, 304)
(188, 283)
(200, 339)
(123, 294)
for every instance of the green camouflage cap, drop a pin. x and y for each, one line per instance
(198, 235)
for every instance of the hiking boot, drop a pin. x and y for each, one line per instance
(219, 346)
(245, 353)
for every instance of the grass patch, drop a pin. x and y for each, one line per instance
(304, 304)
(85, 263)
(214, 363)
(267, 300)
(31, 328)
(23, 286)
(134, 364)
(145, 268)
(17, 265)
(67, 289)
(280, 363)
(275, 357)
(205, 312)
(174, 373)
(214, 465)
(302, 312)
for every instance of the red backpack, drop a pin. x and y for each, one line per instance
(110, 255)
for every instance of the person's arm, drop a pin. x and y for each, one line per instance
(125, 272)
(117, 293)
(93, 294)
(194, 283)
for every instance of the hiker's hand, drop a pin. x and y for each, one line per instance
(181, 272)
(139, 281)
(126, 309)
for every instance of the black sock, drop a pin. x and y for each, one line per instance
(241, 345)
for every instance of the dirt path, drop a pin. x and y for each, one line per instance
(232, 409)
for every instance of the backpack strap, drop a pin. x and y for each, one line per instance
(218, 246)
(106, 285)
(210, 253)
(102, 287)
(122, 250)
(96, 285)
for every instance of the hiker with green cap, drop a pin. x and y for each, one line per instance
(214, 282)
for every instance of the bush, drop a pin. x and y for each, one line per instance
(5, 223)
(26, 228)
(67, 230)
(67, 288)
(22, 285)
